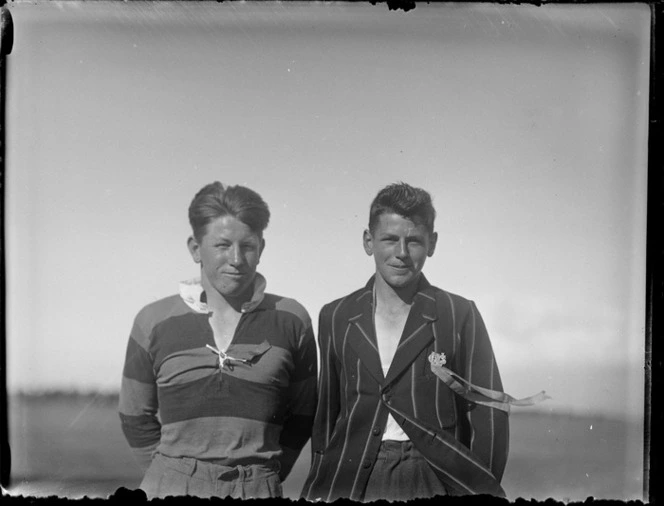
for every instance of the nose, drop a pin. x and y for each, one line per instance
(236, 256)
(402, 249)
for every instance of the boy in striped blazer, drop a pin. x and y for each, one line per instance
(386, 426)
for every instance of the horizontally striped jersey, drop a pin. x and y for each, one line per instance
(181, 399)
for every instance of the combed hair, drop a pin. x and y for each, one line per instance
(214, 201)
(404, 200)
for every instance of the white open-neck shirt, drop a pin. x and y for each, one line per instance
(393, 430)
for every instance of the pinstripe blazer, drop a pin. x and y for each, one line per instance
(465, 444)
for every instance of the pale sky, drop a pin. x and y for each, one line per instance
(528, 125)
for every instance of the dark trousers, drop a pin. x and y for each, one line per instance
(401, 473)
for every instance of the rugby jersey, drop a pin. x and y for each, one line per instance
(179, 398)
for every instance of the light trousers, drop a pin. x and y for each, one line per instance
(168, 476)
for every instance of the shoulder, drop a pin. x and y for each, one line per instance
(456, 303)
(287, 307)
(454, 297)
(459, 309)
(344, 306)
(157, 312)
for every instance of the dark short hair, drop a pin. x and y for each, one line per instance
(404, 200)
(214, 201)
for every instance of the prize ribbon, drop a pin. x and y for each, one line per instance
(479, 395)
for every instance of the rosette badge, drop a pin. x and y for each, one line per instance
(437, 359)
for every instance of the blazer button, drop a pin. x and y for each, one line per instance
(366, 464)
(376, 431)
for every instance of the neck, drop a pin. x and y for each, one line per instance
(394, 297)
(221, 303)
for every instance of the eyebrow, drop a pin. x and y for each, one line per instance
(251, 241)
(388, 235)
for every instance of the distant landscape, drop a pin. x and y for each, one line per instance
(70, 445)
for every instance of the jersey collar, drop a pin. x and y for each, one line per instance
(192, 293)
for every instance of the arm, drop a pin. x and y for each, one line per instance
(138, 400)
(328, 386)
(302, 402)
(487, 429)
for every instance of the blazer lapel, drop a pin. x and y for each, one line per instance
(418, 332)
(362, 335)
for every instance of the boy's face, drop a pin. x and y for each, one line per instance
(229, 253)
(400, 246)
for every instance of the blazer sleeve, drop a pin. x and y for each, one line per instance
(486, 429)
(328, 386)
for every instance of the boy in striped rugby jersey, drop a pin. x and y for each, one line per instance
(219, 383)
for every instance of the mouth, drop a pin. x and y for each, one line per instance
(400, 268)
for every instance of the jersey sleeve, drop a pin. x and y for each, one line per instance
(138, 397)
(301, 398)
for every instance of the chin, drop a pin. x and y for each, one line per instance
(400, 281)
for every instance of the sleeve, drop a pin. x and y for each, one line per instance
(486, 430)
(328, 407)
(138, 399)
(301, 400)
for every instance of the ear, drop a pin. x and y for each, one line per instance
(194, 249)
(433, 240)
(367, 241)
(261, 248)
